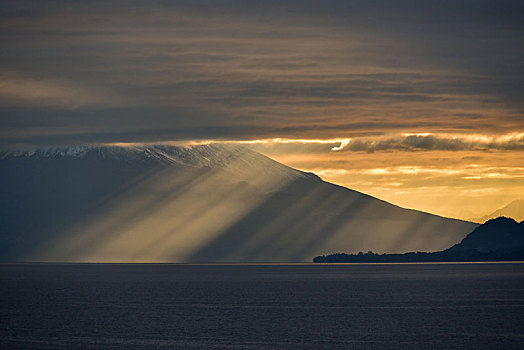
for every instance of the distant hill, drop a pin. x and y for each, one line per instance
(501, 235)
(513, 210)
(206, 203)
(500, 239)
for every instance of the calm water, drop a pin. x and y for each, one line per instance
(407, 306)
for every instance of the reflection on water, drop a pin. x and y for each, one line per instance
(381, 306)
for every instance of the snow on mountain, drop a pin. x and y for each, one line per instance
(236, 158)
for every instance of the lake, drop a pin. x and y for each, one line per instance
(303, 306)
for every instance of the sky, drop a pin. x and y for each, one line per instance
(419, 103)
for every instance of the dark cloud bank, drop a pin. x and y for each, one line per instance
(154, 71)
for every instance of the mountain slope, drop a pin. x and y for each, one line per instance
(210, 203)
(513, 210)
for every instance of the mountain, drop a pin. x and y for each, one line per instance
(500, 239)
(501, 235)
(207, 203)
(513, 210)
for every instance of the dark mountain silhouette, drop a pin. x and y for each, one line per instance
(208, 203)
(513, 210)
(501, 235)
(500, 239)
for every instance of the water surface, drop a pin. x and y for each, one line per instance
(353, 306)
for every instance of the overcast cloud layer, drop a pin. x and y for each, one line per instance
(184, 70)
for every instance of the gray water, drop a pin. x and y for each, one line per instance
(384, 306)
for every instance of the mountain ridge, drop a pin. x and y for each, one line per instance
(206, 203)
(514, 209)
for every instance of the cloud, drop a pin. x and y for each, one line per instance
(305, 70)
(444, 142)
(420, 142)
(19, 91)
(469, 173)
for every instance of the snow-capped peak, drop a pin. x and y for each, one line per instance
(234, 157)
